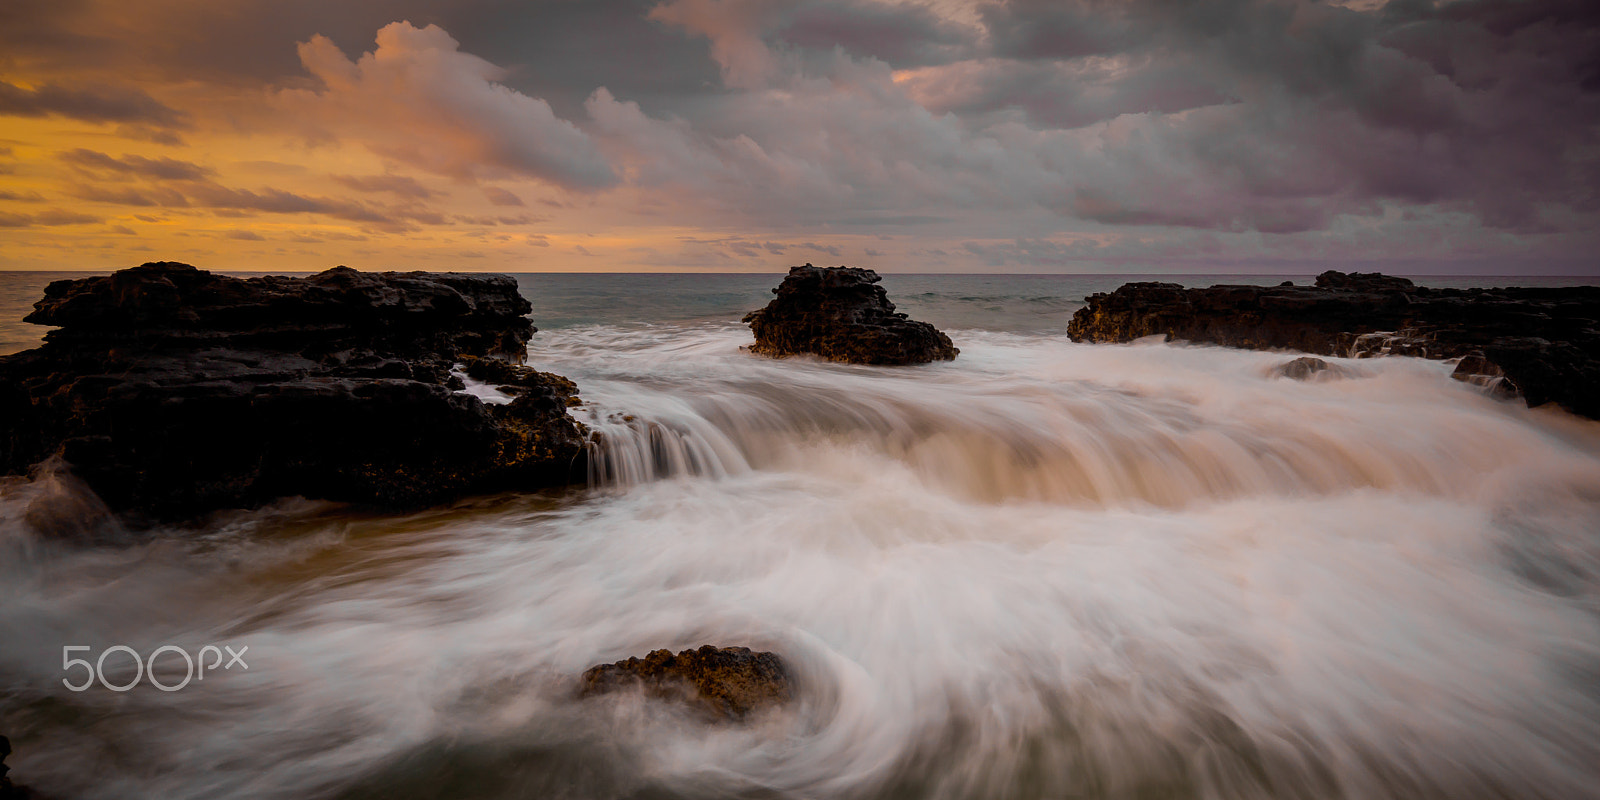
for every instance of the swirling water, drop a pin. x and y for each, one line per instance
(1043, 570)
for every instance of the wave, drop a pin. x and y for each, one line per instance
(1041, 570)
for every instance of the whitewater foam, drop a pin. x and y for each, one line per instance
(1042, 570)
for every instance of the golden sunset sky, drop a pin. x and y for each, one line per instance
(1075, 136)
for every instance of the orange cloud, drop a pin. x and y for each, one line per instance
(418, 100)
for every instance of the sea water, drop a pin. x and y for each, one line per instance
(1043, 570)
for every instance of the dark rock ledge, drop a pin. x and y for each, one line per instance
(719, 682)
(1541, 344)
(839, 313)
(172, 391)
(9, 790)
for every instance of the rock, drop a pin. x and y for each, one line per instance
(172, 391)
(1476, 368)
(838, 313)
(1302, 368)
(724, 682)
(1545, 342)
(5, 753)
(9, 790)
(517, 379)
(1363, 282)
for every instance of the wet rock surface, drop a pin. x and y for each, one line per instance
(723, 682)
(1303, 368)
(516, 379)
(172, 391)
(1541, 344)
(839, 313)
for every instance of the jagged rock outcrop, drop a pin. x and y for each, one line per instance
(722, 682)
(1543, 344)
(172, 391)
(840, 314)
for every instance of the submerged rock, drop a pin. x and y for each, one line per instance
(1303, 368)
(840, 314)
(173, 391)
(726, 682)
(1545, 343)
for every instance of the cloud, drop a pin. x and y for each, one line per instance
(420, 101)
(58, 216)
(178, 184)
(899, 34)
(127, 196)
(398, 185)
(1062, 94)
(501, 197)
(1043, 132)
(1275, 116)
(735, 30)
(279, 201)
(165, 169)
(832, 250)
(22, 197)
(103, 104)
(50, 218)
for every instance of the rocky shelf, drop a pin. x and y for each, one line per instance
(1540, 344)
(172, 391)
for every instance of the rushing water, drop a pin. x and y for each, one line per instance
(1042, 570)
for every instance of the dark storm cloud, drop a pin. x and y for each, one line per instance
(903, 35)
(90, 104)
(562, 50)
(1486, 105)
(1051, 94)
(1029, 30)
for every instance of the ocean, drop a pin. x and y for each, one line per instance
(1042, 570)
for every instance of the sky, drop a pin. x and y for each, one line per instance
(1076, 136)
